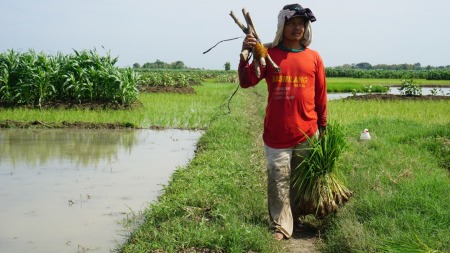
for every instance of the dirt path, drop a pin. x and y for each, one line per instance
(303, 242)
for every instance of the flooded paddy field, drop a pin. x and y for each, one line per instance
(445, 91)
(68, 190)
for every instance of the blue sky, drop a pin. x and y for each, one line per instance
(346, 31)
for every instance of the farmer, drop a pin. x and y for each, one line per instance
(296, 107)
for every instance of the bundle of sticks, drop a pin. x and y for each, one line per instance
(259, 51)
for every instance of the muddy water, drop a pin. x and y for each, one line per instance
(393, 90)
(68, 190)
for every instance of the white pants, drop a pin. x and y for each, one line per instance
(279, 164)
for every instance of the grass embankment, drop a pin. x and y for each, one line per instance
(218, 201)
(400, 178)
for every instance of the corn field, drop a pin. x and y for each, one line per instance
(183, 78)
(33, 78)
(170, 78)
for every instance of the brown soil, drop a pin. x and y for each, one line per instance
(304, 241)
(88, 105)
(64, 124)
(168, 89)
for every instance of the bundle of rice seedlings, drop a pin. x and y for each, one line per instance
(315, 184)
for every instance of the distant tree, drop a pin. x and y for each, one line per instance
(405, 66)
(401, 67)
(227, 66)
(381, 66)
(159, 64)
(364, 65)
(177, 65)
(136, 65)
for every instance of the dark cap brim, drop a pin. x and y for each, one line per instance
(306, 14)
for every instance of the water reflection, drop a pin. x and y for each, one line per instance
(81, 147)
(65, 190)
(393, 90)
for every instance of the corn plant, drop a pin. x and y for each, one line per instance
(8, 65)
(170, 78)
(35, 78)
(409, 88)
(5, 89)
(122, 88)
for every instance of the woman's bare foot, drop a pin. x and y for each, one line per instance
(278, 236)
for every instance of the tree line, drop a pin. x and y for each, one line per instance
(404, 66)
(397, 71)
(432, 74)
(158, 64)
(358, 70)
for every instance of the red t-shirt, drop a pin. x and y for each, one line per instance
(297, 102)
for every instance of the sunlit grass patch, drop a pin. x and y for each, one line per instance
(340, 86)
(166, 110)
(401, 189)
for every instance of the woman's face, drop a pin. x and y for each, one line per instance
(294, 29)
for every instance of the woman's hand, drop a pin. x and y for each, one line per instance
(249, 42)
(322, 131)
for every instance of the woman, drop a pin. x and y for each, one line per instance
(296, 107)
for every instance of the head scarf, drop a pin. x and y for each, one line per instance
(284, 15)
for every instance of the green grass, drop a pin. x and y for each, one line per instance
(401, 186)
(401, 189)
(218, 201)
(400, 180)
(192, 111)
(338, 86)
